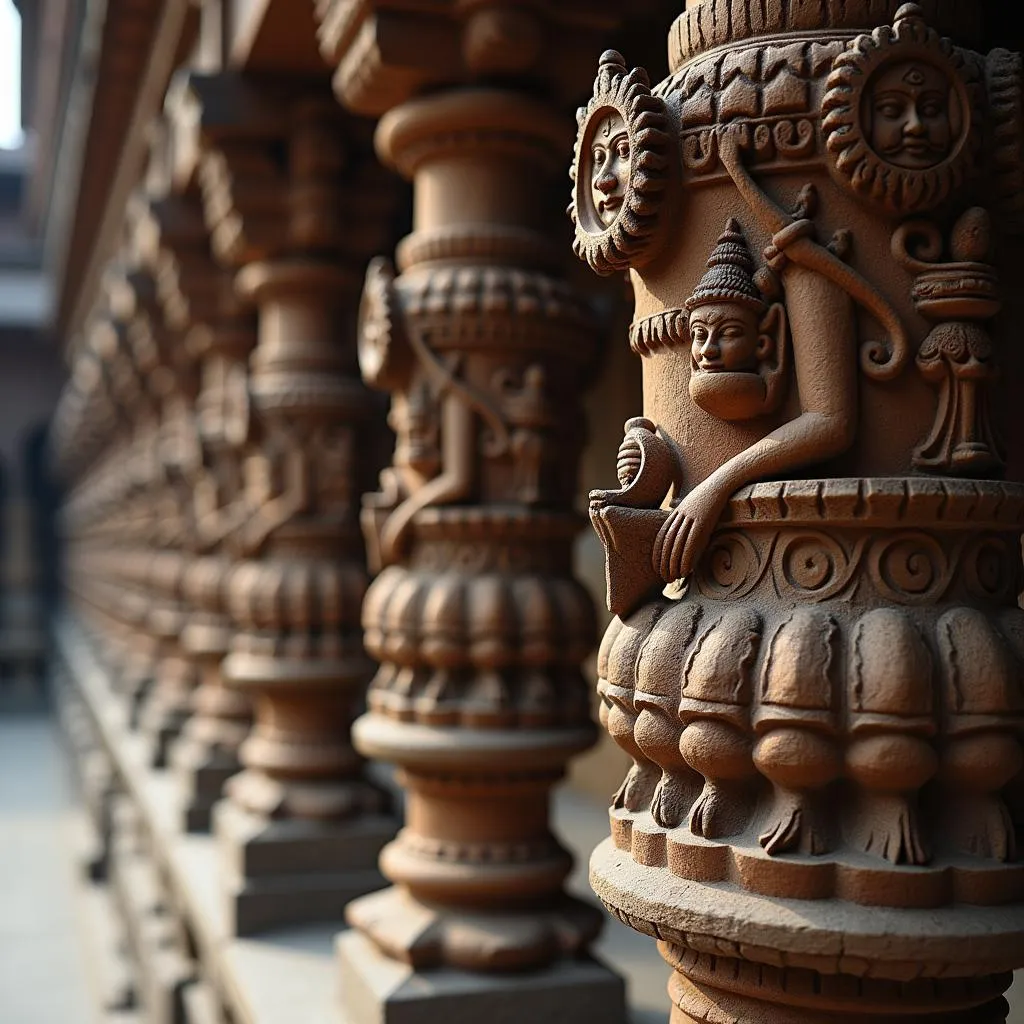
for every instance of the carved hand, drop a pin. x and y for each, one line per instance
(685, 534)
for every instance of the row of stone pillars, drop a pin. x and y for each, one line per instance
(799, 701)
(220, 451)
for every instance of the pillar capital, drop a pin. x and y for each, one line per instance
(228, 133)
(384, 53)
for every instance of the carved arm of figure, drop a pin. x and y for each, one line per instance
(794, 240)
(453, 482)
(216, 521)
(826, 426)
(819, 288)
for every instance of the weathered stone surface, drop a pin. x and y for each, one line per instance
(814, 555)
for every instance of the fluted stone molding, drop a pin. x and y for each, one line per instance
(476, 618)
(302, 826)
(814, 554)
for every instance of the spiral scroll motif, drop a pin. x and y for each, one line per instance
(733, 565)
(812, 565)
(911, 568)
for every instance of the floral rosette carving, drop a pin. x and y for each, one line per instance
(899, 116)
(621, 170)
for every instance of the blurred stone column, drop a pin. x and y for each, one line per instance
(206, 755)
(201, 304)
(170, 451)
(476, 618)
(22, 638)
(112, 503)
(289, 201)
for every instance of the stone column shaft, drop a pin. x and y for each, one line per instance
(814, 553)
(301, 827)
(476, 619)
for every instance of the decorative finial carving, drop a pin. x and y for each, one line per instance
(959, 296)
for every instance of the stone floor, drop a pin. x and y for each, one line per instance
(43, 967)
(43, 973)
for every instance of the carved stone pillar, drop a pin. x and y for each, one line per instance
(160, 226)
(97, 514)
(302, 827)
(814, 556)
(200, 301)
(145, 501)
(476, 618)
(206, 755)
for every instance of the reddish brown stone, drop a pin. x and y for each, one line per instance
(818, 679)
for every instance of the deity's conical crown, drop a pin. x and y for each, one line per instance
(730, 273)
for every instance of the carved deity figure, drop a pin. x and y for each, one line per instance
(738, 352)
(413, 418)
(911, 112)
(222, 504)
(611, 157)
(278, 485)
(814, 278)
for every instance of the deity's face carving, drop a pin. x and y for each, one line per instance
(910, 118)
(609, 176)
(726, 338)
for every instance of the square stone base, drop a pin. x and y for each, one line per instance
(280, 873)
(202, 786)
(378, 990)
(136, 698)
(161, 732)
